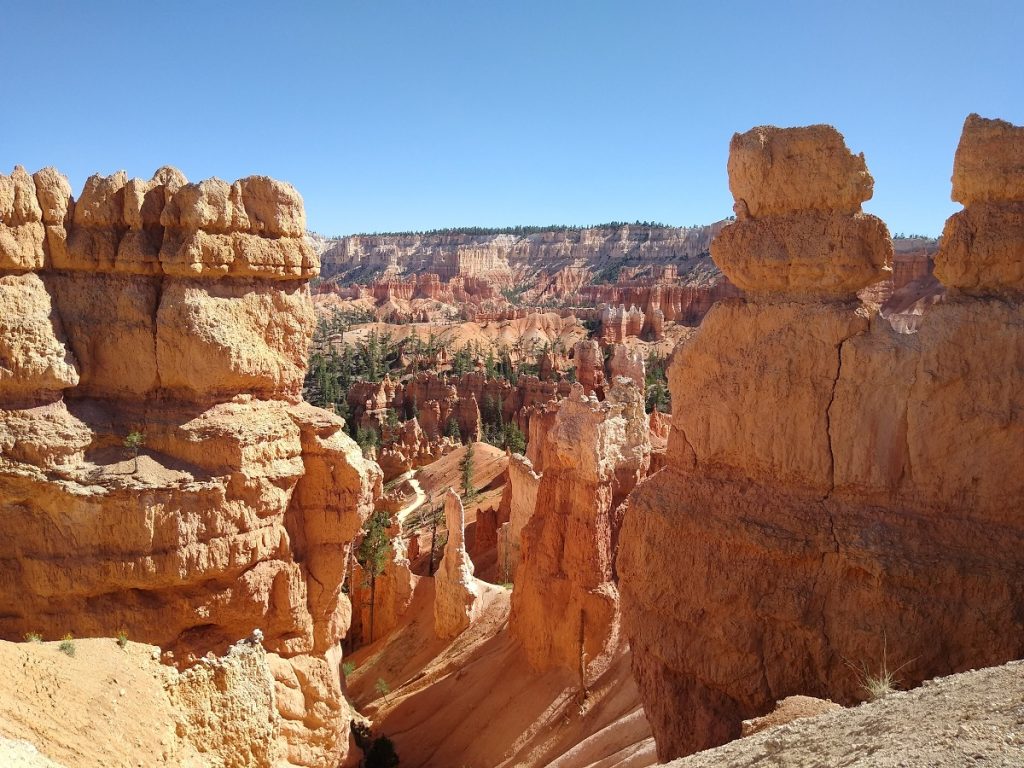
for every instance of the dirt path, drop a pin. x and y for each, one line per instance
(417, 500)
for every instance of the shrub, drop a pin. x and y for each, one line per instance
(878, 685)
(33, 637)
(348, 668)
(67, 645)
(381, 754)
(382, 687)
(122, 639)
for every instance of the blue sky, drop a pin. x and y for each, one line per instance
(421, 114)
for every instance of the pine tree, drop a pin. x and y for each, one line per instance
(372, 555)
(468, 491)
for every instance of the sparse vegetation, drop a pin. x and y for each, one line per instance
(382, 754)
(122, 639)
(133, 444)
(878, 684)
(378, 752)
(67, 645)
(658, 397)
(466, 465)
(382, 687)
(348, 668)
(33, 637)
(372, 555)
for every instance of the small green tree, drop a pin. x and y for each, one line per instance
(133, 444)
(468, 491)
(382, 687)
(372, 555)
(513, 438)
(452, 429)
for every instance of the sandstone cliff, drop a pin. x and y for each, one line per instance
(451, 254)
(836, 493)
(179, 312)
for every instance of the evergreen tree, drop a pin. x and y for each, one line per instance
(372, 555)
(466, 465)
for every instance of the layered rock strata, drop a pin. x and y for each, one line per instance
(565, 602)
(179, 312)
(836, 494)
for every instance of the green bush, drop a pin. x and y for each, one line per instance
(67, 645)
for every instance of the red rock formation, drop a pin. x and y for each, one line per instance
(565, 602)
(836, 493)
(589, 361)
(627, 363)
(178, 311)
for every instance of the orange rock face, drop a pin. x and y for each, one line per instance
(181, 312)
(565, 602)
(836, 493)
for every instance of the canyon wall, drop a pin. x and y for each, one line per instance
(178, 313)
(836, 494)
(497, 256)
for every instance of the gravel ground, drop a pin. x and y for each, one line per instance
(974, 718)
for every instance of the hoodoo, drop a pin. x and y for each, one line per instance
(565, 606)
(456, 597)
(177, 315)
(836, 494)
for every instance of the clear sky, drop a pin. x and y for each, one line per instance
(419, 114)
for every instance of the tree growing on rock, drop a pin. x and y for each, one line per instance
(133, 444)
(372, 555)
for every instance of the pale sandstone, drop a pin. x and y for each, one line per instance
(35, 364)
(240, 509)
(628, 363)
(225, 704)
(21, 229)
(215, 339)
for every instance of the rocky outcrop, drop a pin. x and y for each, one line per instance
(627, 363)
(456, 595)
(786, 711)
(981, 253)
(520, 498)
(179, 312)
(836, 493)
(589, 360)
(565, 602)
